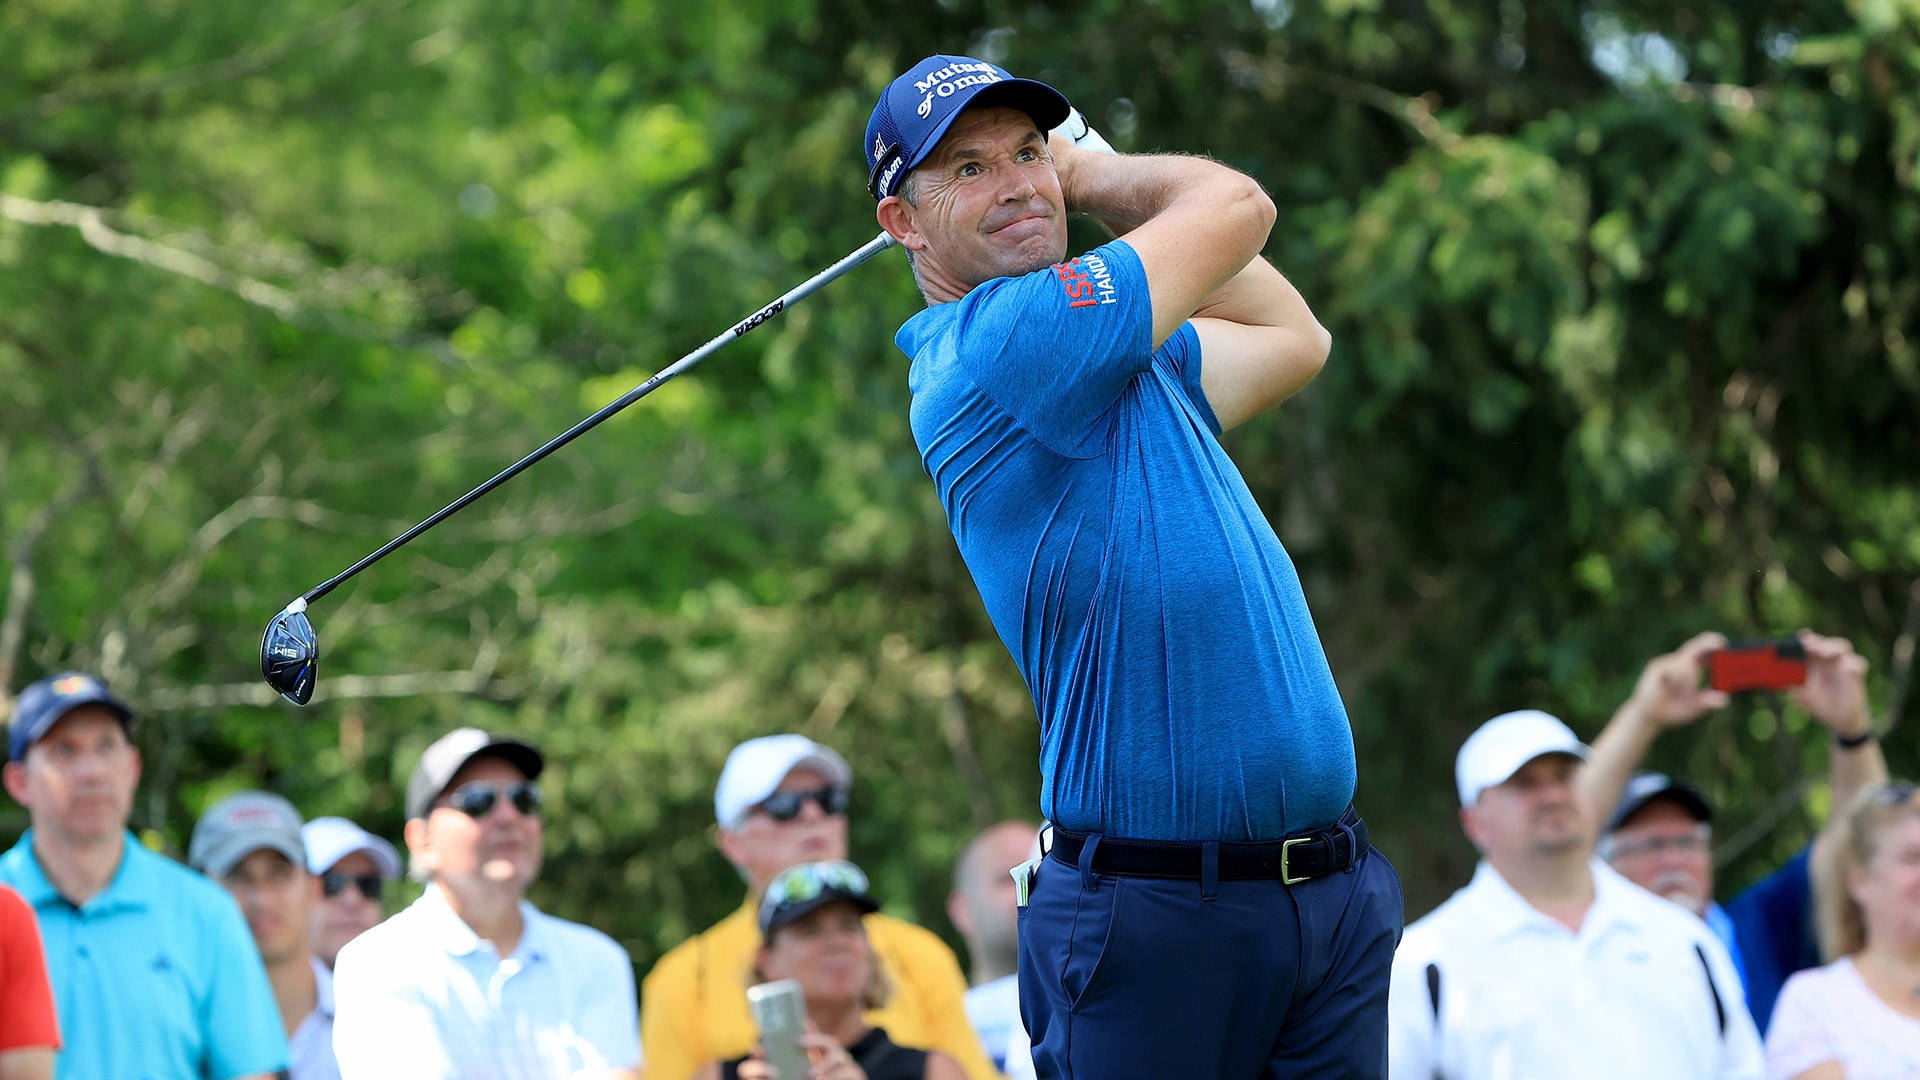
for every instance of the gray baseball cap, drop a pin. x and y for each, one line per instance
(239, 825)
(451, 752)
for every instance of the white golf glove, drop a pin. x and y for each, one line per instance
(1076, 128)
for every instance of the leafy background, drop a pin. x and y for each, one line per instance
(1623, 297)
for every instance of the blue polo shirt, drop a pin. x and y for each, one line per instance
(154, 978)
(1160, 626)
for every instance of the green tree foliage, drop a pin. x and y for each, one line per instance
(1623, 294)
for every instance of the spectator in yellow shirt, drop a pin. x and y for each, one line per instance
(782, 801)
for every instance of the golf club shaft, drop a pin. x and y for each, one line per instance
(737, 331)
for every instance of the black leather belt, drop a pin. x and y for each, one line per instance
(1297, 858)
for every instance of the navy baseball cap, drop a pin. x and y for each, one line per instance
(42, 704)
(1651, 787)
(917, 108)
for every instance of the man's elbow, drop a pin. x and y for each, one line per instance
(1252, 209)
(1319, 346)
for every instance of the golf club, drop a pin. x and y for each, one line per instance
(289, 650)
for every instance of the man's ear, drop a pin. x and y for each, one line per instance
(958, 914)
(415, 835)
(895, 215)
(14, 775)
(728, 842)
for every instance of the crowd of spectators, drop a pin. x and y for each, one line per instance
(1588, 943)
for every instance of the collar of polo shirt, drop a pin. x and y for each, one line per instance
(458, 939)
(1504, 912)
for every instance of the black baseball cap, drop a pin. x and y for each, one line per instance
(451, 752)
(44, 703)
(1650, 787)
(798, 891)
(917, 108)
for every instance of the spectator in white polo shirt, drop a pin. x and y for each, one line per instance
(472, 982)
(353, 867)
(1549, 963)
(250, 844)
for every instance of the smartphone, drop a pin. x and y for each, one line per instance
(780, 1011)
(1758, 665)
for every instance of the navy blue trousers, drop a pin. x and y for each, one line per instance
(1129, 977)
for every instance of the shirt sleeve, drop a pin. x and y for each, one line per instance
(609, 1015)
(1799, 1038)
(381, 1028)
(239, 1015)
(26, 997)
(669, 1016)
(1411, 1024)
(1181, 357)
(942, 995)
(1057, 347)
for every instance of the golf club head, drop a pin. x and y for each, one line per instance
(290, 654)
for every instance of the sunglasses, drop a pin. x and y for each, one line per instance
(1894, 793)
(786, 805)
(799, 884)
(477, 799)
(333, 883)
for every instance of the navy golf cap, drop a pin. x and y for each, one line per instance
(917, 108)
(42, 704)
(1650, 787)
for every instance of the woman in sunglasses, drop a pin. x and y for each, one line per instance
(812, 933)
(1858, 1018)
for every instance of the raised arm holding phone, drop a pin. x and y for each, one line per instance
(1657, 830)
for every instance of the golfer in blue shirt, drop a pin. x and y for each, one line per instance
(1209, 905)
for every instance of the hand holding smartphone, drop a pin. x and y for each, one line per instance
(780, 1012)
(1773, 664)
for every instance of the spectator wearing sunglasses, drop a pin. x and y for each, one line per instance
(471, 981)
(250, 843)
(781, 802)
(353, 867)
(813, 931)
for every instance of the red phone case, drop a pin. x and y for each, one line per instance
(1761, 665)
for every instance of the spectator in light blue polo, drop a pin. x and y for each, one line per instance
(154, 974)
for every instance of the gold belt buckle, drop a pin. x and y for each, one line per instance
(1286, 849)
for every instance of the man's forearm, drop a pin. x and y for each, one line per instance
(1259, 295)
(1616, 754)
(1127, 190)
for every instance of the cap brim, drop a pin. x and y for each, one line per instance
(1047, 107)
(789, 915)
(231, 852)
(520, 755)
(1688, 800)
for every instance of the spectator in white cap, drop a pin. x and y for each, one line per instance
(353, 867)
(1549, 963)
(782, 801)
(472, 982)
(250, 844)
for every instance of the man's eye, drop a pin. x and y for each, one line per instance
(969, 170)
(1029, 155)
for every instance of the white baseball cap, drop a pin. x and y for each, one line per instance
(330, 839)
(756, 767)
(1506, 743)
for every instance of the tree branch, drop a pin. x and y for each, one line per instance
(20, 577)
(237, 66)
(91, 222)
